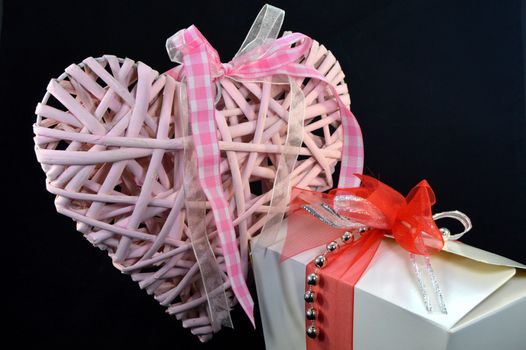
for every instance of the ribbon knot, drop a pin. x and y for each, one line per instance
(409, 220)
(374, 205)
(225, 70)
(275, 57)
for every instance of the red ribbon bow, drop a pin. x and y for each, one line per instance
(409, 219)
(374, 205)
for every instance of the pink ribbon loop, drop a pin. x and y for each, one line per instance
(201, 66)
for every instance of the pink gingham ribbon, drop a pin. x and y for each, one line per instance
(201, 68)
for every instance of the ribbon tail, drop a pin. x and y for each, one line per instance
(213, 281)
(440, 300)
(266, 26)
(352, 153)
(287, 161)
(198, 58)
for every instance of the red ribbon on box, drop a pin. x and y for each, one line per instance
(374, 205)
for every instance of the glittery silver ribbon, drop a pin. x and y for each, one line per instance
(417, 264)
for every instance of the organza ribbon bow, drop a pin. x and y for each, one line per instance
(374, 205)
(377, 206)
(262, 58)
(374, 210)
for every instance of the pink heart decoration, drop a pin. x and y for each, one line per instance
(105, 177)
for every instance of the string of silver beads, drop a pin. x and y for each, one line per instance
(313, 279)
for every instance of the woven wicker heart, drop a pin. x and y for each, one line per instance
(127, 200)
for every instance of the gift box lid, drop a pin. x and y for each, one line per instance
(467, 276)
(465, 282)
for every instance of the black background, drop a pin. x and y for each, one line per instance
(438, 87)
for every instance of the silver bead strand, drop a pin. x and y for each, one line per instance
(310, 314)
(313, 279)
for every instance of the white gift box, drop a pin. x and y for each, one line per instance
(485, 296)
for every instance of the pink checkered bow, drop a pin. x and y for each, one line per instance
(201, 67)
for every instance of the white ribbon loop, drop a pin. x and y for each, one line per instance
(266, 26)
(459, 216)
(174, 54)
